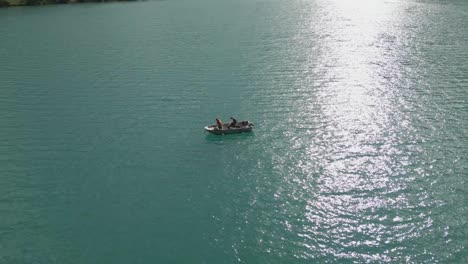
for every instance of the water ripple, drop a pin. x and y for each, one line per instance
(359, 152)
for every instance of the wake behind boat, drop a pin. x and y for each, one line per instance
(233, 127)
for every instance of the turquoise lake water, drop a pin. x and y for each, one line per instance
(360, 152)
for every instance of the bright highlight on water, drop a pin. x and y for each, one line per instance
(358, 153)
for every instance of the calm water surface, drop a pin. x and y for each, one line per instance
(360, 152)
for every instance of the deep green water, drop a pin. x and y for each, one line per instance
(360, 152)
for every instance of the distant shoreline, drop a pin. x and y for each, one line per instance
(11, 3)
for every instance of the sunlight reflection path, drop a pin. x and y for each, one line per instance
(351, 167)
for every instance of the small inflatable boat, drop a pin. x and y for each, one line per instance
(230, 128)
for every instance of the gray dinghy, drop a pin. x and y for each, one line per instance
(240, 127)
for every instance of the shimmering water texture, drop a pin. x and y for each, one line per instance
(359, 153)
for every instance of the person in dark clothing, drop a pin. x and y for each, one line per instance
(233, 123)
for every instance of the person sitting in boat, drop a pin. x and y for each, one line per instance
(233, 123)
(219, 123)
